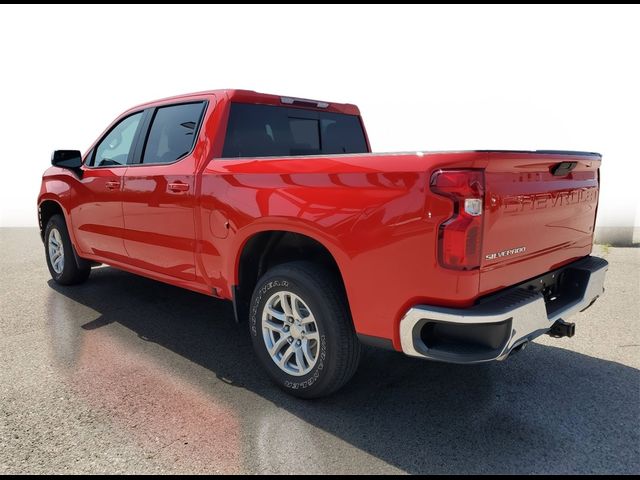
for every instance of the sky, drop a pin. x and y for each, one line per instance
(424, 77)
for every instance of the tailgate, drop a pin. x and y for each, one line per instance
(540, 213)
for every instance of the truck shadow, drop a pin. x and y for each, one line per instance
(546, 410)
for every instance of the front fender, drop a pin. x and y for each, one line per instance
(56, 187)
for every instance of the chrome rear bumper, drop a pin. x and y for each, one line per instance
(500, 323)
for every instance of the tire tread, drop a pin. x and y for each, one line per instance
(76, 270)
(347, 355)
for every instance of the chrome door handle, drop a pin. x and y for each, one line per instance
(178, 187)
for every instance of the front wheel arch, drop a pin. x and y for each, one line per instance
(47, 209)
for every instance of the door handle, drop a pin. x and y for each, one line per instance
(178, 187)
(112, 185)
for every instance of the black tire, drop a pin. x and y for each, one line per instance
(75, 270)
(338, 350)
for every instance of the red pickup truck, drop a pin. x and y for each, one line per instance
(277, 204)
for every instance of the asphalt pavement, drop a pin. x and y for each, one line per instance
(126, 375)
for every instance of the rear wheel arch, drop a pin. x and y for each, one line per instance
(266, 249)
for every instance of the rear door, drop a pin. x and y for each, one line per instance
(159, 193)
(540, 213)
(97, 220)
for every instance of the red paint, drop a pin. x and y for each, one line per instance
(159, 218)
(97, 220)
(375, 213)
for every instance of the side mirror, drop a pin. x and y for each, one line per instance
(71, 159)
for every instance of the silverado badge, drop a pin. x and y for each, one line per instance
(505, 253)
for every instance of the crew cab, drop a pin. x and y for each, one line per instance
(278, 205)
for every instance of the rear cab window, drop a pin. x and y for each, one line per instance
(268, 131)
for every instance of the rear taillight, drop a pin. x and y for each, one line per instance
(460, 236)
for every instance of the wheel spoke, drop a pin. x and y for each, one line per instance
(276, 314)
(286, 356)
(274, 327)
(290, 333)
(56, 251)
(285, 302)
(277, 346)
(309, 319)
(306, 350)
(312, 336)
(295, 307)
(300, 360)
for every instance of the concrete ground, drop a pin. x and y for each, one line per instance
(126, 375)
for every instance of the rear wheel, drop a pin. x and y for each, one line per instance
(65, 266)
(302, 331)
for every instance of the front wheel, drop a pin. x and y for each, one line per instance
(65, 267)
(301, 330)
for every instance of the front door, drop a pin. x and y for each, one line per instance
(97, 217)
(159, 194)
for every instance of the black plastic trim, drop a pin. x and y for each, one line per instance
(68, 159)
(563, 168)
(234, 300)
(377, 342)
(546, 284)
(448, 340)
(141, 137)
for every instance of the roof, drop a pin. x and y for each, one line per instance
(249, 96)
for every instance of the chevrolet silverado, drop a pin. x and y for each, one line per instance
(277, 204)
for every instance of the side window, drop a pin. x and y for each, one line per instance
(172, 133)
(115, 147)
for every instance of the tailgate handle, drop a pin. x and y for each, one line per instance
(563, 168)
